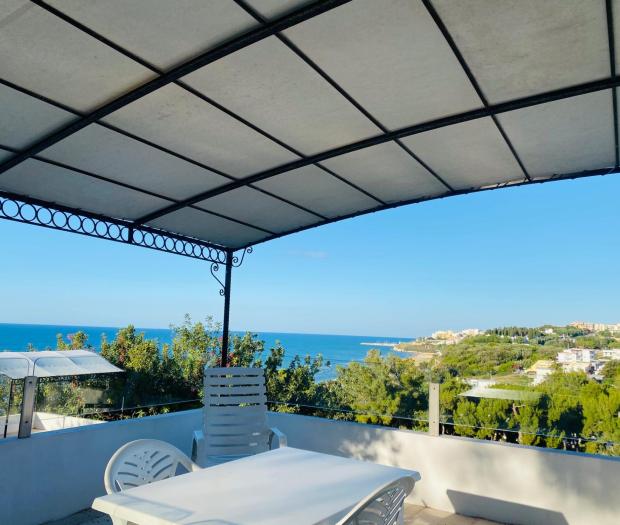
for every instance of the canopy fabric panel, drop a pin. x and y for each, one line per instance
(50, 363)
(233, 122)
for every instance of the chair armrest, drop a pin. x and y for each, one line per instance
(282, 441)
(198, 446)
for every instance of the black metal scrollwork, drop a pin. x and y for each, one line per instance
(17, 209)
(235, 262)
(215, 267)
(238, 261)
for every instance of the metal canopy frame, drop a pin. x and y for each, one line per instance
(22, 208)
(475, 114)
(275, 28)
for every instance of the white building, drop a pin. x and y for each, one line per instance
(596, 327)
(576, 355)
(540, 370)
(611, 353)
(578, 360)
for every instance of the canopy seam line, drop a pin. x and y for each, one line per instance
(63, 16)
(415, 129)
(227, 47)
(345, 94)
(136, 58)
(64, 107)
(472, 79)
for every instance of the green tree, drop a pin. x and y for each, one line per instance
(528, 423)
(293, 388)
(492, 417)
(601, 413)
(465, 420)
(76, 341)
(382, 388)
(611, 373)
(195, 345)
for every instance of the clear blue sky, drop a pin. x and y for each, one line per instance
(526, 256)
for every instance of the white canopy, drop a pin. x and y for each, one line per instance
(50, 363)
(236, 122)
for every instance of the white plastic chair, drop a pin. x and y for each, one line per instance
(144, 461)
(383, 507)
(235, 417)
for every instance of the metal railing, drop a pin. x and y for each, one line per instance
(429, 413)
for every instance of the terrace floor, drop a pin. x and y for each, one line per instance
(414, 515)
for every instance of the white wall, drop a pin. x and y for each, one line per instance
(44, 421)
(53, 474)
(502, 482)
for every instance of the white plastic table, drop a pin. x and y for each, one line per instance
(286, 486)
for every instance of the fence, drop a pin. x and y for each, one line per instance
(389, 391)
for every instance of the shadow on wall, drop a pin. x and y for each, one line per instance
(500, 510)
(550, 487)
(373, 444)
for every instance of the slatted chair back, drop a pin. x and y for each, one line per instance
(235, 412)
(384, 507)
(144, 461)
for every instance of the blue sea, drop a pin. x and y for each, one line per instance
(338, 349)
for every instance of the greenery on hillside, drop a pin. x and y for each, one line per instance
(475, 358)
(567, 410)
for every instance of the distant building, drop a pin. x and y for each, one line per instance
(579, 360)
(449, 337)
(578, 366)
(576, 355)
(596, 327)
(540, 370)
(611, 353)
(442, 335)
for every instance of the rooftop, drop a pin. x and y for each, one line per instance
(205, 129)
(476, 479)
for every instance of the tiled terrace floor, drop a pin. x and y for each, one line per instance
(414, 515)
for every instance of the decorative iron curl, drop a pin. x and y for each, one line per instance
(32, 211)
(238, 261)
(215, 267)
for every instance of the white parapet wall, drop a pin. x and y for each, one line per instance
(54, 474)
(497, 481)
(44, 422)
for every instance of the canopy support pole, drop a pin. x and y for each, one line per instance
(232, 261)
(28, 401)
(225, 327)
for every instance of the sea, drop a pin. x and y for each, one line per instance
(337, 349)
